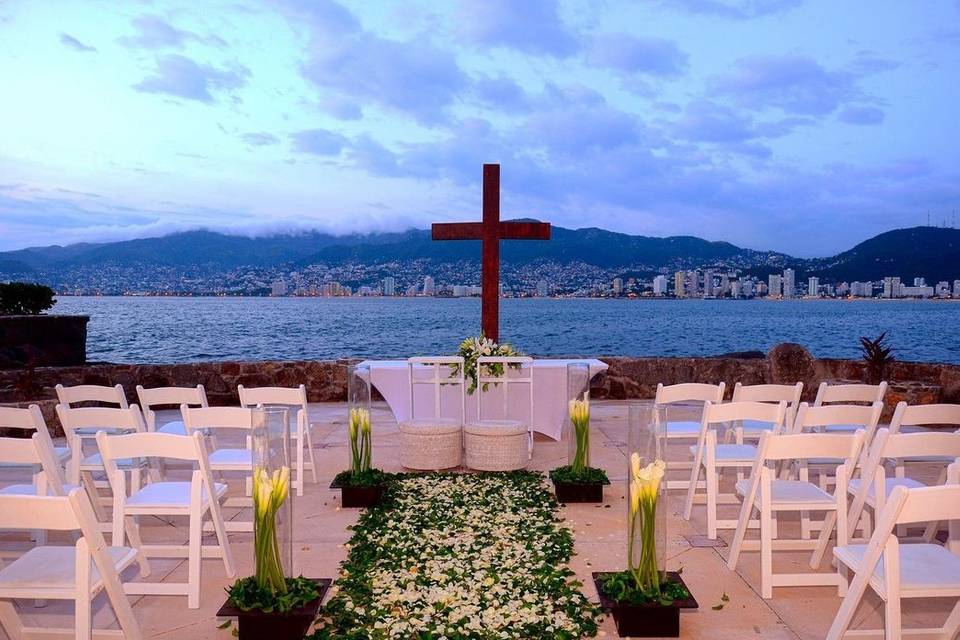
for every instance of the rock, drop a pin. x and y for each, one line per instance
(791, 363)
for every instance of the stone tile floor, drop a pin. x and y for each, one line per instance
(321, 530)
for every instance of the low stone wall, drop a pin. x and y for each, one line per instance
(628, 377)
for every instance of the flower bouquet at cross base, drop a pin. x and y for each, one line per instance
(577, 481)
(361, 485)
(472, 349)
(271, 598)
(645, 599)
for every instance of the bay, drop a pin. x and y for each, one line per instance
(169, 329)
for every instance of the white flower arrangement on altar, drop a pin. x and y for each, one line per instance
(471, 349)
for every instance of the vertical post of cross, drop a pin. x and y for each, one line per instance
(490, 311)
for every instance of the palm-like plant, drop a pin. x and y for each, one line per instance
(877, 355)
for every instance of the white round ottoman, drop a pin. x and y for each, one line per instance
(496, 445)
(429, 445)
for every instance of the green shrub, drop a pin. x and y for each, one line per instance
(23, 298)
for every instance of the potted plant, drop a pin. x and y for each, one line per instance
(578, 481)
(271, 603)
(645, 600)
(877, 356)
(360, 485)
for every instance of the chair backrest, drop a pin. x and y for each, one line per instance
(85, 393)
(50, 513)
(150, 399)
(789, 393)
(440, 372)
(838, 414)
(516, 370)
(200, 418)
(807, 446)
(689, 392)
(921, 504)
(293, 398)
(849, 393)
(29, 419)
(36, 452)
(149, 445)
(72, 419)
(920, 415)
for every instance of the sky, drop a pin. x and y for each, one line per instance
(802, 126)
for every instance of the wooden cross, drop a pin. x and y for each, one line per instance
(491, 231)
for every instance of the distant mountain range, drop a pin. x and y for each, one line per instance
(929, 252)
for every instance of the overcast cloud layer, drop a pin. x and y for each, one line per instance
(803, 126)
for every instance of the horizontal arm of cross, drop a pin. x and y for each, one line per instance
(505, 231)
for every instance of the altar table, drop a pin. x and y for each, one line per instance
(390, 378)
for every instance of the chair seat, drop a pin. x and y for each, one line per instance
(95, 463)
(29, 489)
(496, 428)
(891, 483)
(170, 495)
(745, 453)
(54, 568)
(842, 428)
(790, 491)
(922, 567)
(91, 432)
(233, 458)
(174, 427)
(755, 426)
(683, 429)
(430, 427)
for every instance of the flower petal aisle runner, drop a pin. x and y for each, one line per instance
(460, 557)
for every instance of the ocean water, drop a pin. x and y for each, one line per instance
(164, 330)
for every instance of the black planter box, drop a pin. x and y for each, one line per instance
(573, 492)
(358, 497)
(293, 625)
(651, 620)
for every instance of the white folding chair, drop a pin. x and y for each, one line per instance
(294, 399)
(896, 571)
(77, 573)
(435, 442)
(213, 421)
(927, 416)
(771, 393)
(83, 424)
(92, 394)
(767, 494)
(194, 500)
(31, 419)
(685, 429)
(35, 453)
(873, 487)
(711, 458)
(517, 370)
(170, 397)
(831, 394)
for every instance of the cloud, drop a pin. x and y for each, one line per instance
(501, 93)
(530, 26)
(179, 76)
(329, 18)
(341, 108)
(413, 77)
(708, 121)
(630, 54)
(732, 9)
(793, 83)
(70, 42)
(861, 115)
(319, 142)
(154, 33)
(259, 138)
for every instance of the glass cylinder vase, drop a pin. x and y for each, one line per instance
(273, 507)
(360, 447)
(646, 498)
(577, 422)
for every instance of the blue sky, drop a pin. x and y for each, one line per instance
(803, 126)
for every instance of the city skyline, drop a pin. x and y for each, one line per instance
(724, 119)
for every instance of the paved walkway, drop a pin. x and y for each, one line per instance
(321, 531)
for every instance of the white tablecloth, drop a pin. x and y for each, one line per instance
(549, 400)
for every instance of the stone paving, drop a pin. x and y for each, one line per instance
(321, 531)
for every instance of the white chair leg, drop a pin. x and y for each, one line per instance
(133, 533)
(892, 621)
(828, 525)
(222, 540)
(299, 458)
(766, 552)
(313, 460)
(691, 491)
(87, 479)
(10, 621)
(83, 623)
(713, 480)
(194, 558)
